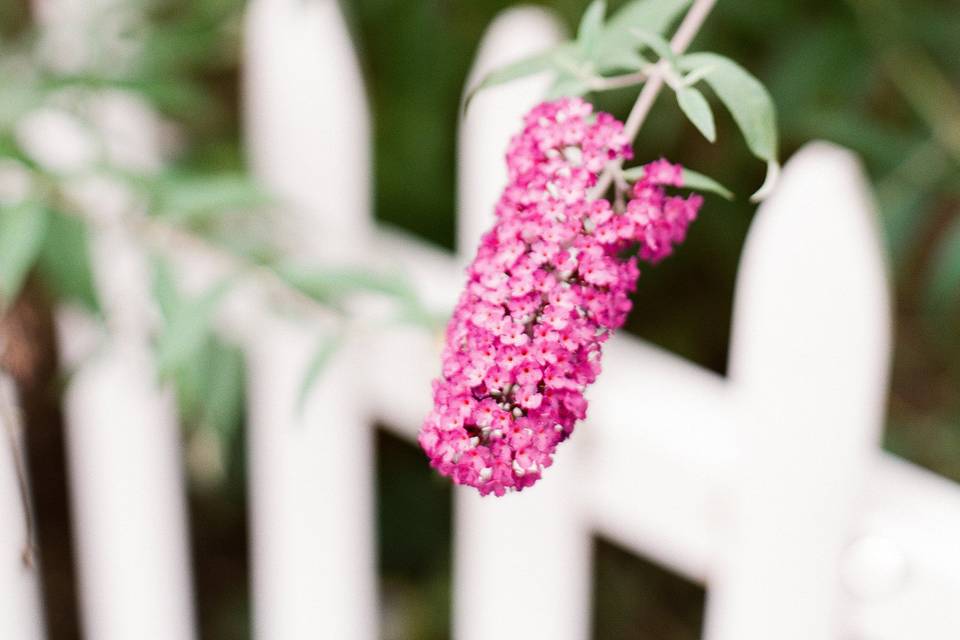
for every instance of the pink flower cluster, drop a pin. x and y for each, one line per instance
(548, 285)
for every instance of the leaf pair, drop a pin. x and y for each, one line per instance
(747, 100)
(600, 47)
(34, 236)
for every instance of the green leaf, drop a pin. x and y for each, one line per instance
(943, 290)
(653, 16)
(188, 327)
(591, 25)
(567, 86)
(22, 229)
(187, 198)
(656, 43)
(626, 60)
(700, 182)
(332, 286)
(165, 289)
(691, 180)
(748, 102)
(222, 407)
(64, 261)
(326, 349)
(530, 65)
(697, 109)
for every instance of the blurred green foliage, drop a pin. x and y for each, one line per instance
(879, 76)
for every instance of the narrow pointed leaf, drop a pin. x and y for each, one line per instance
(187, 329)
(165, 289)
(654, 16)
(656, 43)
(222, 407)
(567, 86)
(64, 261)
(325, 351)
(748, 102)
(700, 182)
(697, 109)
(536, 63)
(591, 25)
(22, 229)
(691, 180)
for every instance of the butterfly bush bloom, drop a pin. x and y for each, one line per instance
(550, 281)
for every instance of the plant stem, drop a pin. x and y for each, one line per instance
(9, 415)
(641, 109)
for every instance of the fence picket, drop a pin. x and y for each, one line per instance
(809, 361)
(533, 541)
(124, 459)
(307, 134)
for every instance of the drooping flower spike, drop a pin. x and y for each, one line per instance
(547, 287)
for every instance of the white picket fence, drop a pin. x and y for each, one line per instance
(768, 486)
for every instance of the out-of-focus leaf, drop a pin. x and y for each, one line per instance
(19, 93)
(652, 16)
(332, 286)
(187, 328)
(627, 60)
(943, 289)
(697, 109)
(325, 350)
(567, 86)
(191, 198)
(656, 43)
(691, 180)
(536, 63)
(222, 408)
(22, 229)
(64, 261)
(748, 102)
(165, 288)
(591, 25)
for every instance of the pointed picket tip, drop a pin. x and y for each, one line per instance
(813, 288)
(496, 114)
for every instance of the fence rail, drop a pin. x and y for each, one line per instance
(768, 486)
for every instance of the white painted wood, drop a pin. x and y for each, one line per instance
(123, 443)
(308, 135)
(126, 490)
(311, 493)
(908, 587)
(495, 115)
(535, 541)
(306, 125)
(21, 615)
(769, 486)
(660, 453)
(809, 362)
(658, 476)
(127, 485)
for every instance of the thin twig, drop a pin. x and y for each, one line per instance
(684, 35)
(171, 238)
(9, 417)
